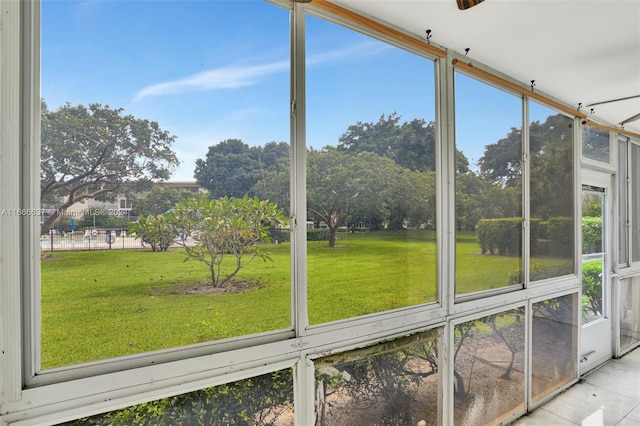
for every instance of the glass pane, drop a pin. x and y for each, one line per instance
(595, 144)
(489, 366)
(623, 202)
(554, 345)
(126, 99)
(551, 203)
(593, 203)
(629, 312)
(488, 187)
(370, 175)
(259, 401)
(635, 202)
(395, 383)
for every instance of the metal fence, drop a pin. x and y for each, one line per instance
(92, 239)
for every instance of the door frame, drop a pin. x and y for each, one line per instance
(597, 340)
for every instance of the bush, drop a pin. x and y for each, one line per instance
(280, 235)
(258, 401)
(561, 235)
(155, 231)
(321, 234)
(503, 236)
(592, 287)
(591, 235)
(539, 236)
(540, 271)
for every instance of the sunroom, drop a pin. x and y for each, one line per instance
(457, 180)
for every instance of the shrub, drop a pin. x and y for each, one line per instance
(561, 233)
(321, 234)
(503, 236)
(156, 231)
(591, 235)
(233, 227)
(592, 287)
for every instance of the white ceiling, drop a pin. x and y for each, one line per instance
(577, 51)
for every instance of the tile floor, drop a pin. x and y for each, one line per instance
(610, 395)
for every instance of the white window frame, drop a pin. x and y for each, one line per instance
(30, 396)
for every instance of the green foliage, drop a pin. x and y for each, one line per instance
(284, 235)
(360, 188)
(96, 152)
(591, 235)
(232, 168)
(226, 226)
(479, 197)
(159, 200)
(98, 218)
(503, 236)
(552, 170)
(157, 231)
(543, 270)
(410, 144)
(258, 401)
(592, 288)
(321, 234)
(539, 237)
(561, 237)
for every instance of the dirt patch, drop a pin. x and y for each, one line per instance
(205, 288)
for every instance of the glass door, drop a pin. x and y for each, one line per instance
(596, 344)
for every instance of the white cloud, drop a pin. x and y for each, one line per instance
(355, 51)
(220, 78)
(240, 76)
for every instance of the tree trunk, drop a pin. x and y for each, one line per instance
(333, 236)
(51, 222)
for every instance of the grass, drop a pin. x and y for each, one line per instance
(101, 304)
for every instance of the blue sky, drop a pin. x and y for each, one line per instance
(209, 71)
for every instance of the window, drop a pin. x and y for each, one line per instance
(596, 144)
(554, 345)
(488, 187)
(391, 383)
(261, 401)
(552, 203)
(371, 164)
(125, 204)
(623, 201)
(635, 204)
(203, 99)
(489, 365)
(119, 328)
(629, 313)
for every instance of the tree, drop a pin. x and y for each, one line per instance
(159, 200)
(411, 145)
(380, 138)
(226, 227)
(232, 168)
(157, 231)
(96, 152)
(552, 167)
(502, 161)
(551, 159)
(340, 186)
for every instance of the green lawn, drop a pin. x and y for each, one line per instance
(100, 304)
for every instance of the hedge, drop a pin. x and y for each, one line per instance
(591, 235)
(553, 237)
(503, 236)
(284, 235)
